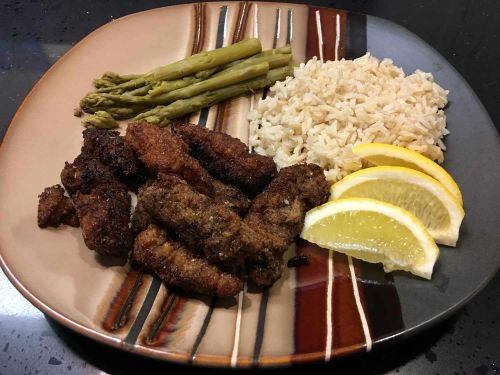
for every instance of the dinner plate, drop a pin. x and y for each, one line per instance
(334, 306)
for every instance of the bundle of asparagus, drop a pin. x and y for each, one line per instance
(185, 86)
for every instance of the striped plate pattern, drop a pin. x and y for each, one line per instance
(333, 307)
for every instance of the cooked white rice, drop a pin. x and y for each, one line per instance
(327, 108)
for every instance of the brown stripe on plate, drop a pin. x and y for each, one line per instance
(347, 330)
(243, 11)
(198, 42)
(118, 312)
(199, 14)
(328, 19)
(223, 108)
(167, 322)
(310, 299)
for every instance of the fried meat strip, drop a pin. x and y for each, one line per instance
(177, 265)
(54, 208)
(202, 223)
(164, 152)
(228, 159)
(102, 205)
(110, 148)
(279, 211)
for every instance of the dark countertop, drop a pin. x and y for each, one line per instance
(34, 34)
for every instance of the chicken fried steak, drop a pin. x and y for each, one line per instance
(164, 152)
(228, 159)
(102, 205)
(177, 265)
(54, 208)
(109, 147)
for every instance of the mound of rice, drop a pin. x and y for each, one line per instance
(327, 108)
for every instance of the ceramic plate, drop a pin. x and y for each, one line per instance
(334, 306)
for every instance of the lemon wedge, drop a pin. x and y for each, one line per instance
(383, 154)
(374, 231)
(425, 197)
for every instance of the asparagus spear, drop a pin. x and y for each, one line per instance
(94, 101)
(162, 115)
(141, 91)
(274, 61)
(120, 113)
(204, 74)
(205, 60)
(125, 86)
(118, 84)
(167, 86)
(225, 79)
(100, 83)
(168, 91)
(275, 51)
(123, 113)
(100, 119)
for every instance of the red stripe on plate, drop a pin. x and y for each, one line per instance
(347, 328)
(310, 299)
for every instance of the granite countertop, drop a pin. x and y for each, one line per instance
(34, 34)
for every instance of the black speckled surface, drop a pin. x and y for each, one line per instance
(33, 34)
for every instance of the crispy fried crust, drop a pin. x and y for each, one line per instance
(202, 223)
(102, 205)
(279, 212)
(84, 174)
(54, 208)
(110, 148)
(176, 265)
(266, 274)
(228, 159)
(104, 216)
(274, 221)
(280, 209)
(164, 152)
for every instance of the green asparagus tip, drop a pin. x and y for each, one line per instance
(100, 119)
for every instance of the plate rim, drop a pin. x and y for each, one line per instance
(220, 361)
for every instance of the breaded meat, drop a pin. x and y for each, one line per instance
(164, 152)
(279, 212)
(177, 265)
(102, 205)
(228, 159)
(111, 150)
(54, 208)
(202, 223)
